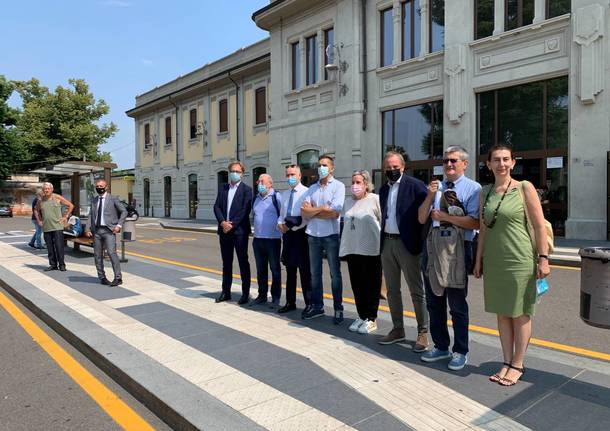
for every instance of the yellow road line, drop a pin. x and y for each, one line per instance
(474, 328)
(104, 397)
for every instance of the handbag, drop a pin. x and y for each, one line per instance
(530, 227)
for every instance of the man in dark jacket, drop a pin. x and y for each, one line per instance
(232, 210)
(401, 246)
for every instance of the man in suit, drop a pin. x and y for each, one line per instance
(232, 210)
(106, 220)
(401, 246)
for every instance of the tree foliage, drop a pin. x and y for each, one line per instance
(62, 125)
(11, 151)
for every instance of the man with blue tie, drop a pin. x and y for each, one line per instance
(295, 250)
(232, 210)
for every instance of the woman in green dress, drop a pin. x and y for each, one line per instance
(507, 261)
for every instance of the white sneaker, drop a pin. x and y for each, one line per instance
(367, 327)
(356, 325)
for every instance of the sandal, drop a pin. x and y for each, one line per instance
(496, 377)
(507, 382)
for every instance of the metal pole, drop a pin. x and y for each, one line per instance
(123, 259)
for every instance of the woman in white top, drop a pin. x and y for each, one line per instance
(360, 247)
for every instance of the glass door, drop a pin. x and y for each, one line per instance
(193, 196)
(167, 193)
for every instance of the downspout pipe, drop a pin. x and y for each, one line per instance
(236, 115)
(365, 96)
(177, 129)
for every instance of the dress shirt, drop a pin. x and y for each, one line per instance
(391, 224)
(297, 200)
(265, 216)
(331, 194)
(468, 192)
(232, 190)
(102, 199)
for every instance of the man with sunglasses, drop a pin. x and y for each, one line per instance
(453, 207)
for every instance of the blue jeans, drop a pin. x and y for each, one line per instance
(36, 240)
(317, 245)
(458, 308)
(267, 254)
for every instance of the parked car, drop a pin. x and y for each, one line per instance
(5, 209)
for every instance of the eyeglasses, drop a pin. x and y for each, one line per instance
(453, 161)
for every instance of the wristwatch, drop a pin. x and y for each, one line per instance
(544, 256)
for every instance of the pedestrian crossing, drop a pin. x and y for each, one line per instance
(405, 397)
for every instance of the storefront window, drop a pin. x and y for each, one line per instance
(520, 116)
(415, 131)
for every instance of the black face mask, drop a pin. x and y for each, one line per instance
(100, 190)
(393, 175)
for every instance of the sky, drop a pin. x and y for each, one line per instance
(121, 48)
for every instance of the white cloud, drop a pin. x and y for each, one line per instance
(116, 3)
(146, 61)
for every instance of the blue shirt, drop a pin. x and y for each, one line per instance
(265, 216)
(333, 195)
(468, 192)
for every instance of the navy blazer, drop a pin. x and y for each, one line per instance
(240, 209)
(411, 194)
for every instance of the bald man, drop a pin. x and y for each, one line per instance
(267, 241)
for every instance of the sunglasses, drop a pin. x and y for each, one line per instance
(453, 161)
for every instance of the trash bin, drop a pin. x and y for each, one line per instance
(129, 229)
(595, 286)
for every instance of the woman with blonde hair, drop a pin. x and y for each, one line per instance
(360, 247)
(507, 261)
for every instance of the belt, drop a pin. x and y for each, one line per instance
(391, 235)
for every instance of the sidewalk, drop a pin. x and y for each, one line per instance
(202, 365)
(565, 253)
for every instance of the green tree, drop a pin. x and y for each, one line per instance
(62, 125)
(11, 151)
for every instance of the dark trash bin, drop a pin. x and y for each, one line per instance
(595, 286)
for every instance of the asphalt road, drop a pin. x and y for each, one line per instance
(36, 394)
(556, 320)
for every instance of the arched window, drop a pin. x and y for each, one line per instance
(308, 162)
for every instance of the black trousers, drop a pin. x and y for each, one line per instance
(365, 277)
(239, 243)
(55, 248)
(291, 283)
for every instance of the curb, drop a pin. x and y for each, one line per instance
(157, 406)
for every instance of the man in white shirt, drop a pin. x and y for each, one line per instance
(105, 221)
(295, 252)
(322, 207)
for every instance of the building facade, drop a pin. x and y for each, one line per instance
(355, 78)
(188, 130)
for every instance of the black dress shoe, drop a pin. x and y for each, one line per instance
(222, 297)
(105, 281)
(286, 308)
(50, 268)
(62, 268)
(259, 300)
(244, 299)
(306, 310)
(116, 282)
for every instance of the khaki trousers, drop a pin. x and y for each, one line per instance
(394, 259)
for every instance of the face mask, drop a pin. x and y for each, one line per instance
(292, 182)
(262, 189)
(393, 175)
(100, 190)
(234, 176)
(323, 172)
(357, 190)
